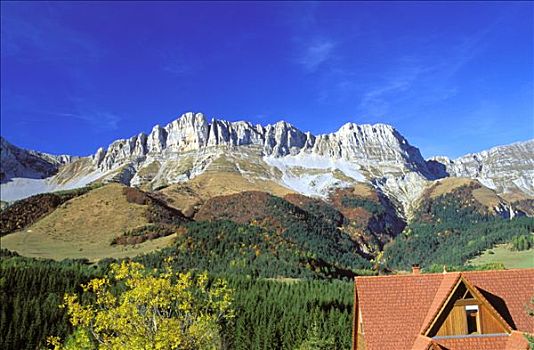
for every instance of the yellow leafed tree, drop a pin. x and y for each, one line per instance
(135, 308)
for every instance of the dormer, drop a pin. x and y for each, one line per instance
(449, 310)
(466, 313)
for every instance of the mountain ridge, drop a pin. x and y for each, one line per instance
(485, 165)
(280, 153)
(17, 161)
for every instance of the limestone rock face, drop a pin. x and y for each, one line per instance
(157, 140)
(373, 153)
(309, 164)
(366, 144)
(16, 162)
(503, 168)
(378, 144)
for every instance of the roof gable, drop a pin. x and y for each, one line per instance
(509, 291)
(397, 310)
(445, 290)
(463, 286)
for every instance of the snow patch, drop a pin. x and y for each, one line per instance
(487, 182)
(312, 185)
(315, 183)
(19, 188)
(311, 161)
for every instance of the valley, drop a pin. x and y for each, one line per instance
(287, 218)
(267, 175)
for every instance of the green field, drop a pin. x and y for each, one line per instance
(503, 254)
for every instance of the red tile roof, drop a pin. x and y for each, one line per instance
(425, 343)
(517, 341)
(476, 343)
(393, 308)
(396, 310)
(514, 287)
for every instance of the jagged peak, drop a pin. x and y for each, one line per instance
(529, 144)
(156, 127)
(188, 119)
(350, 126)
(283, 124)
(198, 118)
(192, 131)
(378, 150)
(379, 131)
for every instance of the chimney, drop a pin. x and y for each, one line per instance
(416, 270)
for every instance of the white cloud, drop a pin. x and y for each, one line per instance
(315, 53)
(100, 120)
(423, 78)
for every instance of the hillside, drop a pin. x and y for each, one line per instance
(370, 218)
(502, 254)
(454, 225)
(351, 224)
(29, 210)
(84, 226)
(259, 234)
(311, 230)
(362, 190)
(274, 236)
(228, 174)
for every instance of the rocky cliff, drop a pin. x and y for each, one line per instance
(20, 163)
(504, 168)
(309, 164)
(365, 144)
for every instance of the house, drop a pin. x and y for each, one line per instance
(474, 310)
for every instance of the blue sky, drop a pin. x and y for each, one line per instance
(452, 77)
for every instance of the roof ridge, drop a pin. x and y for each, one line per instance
(446, 273)
(405, 304)
(432, 315)
(499, 271)
(410, 275)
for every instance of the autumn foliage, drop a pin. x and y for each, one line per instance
(137, 308)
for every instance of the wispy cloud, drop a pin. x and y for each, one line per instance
(316, 52)
(45, 39)
(313, 48)
(423, 79)
(375, 102)
(98, 120)
(95, 119)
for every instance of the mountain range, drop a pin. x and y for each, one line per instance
(328, 204)
(270, 158)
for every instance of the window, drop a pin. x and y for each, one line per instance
(471, 312)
